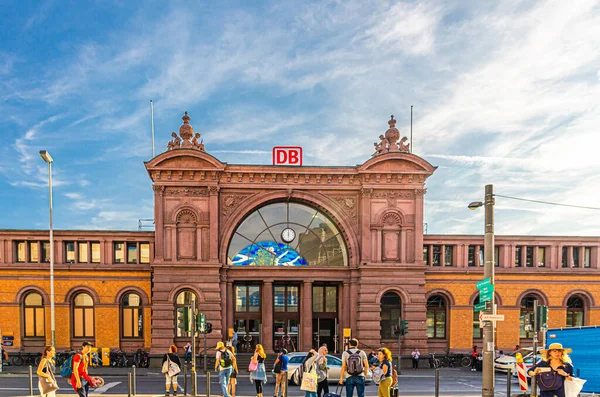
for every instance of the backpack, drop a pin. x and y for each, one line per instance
(277, 368)
(355, 365)
(66, 369)
(394, 377)
(225, 359)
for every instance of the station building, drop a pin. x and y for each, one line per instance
(287, 257)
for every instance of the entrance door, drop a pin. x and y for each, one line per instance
(248, 334)
(325, 332)
(325, 320)
(247, 316)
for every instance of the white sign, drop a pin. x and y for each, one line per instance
(491, 317)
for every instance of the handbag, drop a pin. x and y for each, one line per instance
(173, 369)
(165, 366)
(309, 381)
(277, 368)
(252, 366)
(48, 386)
(550, 381)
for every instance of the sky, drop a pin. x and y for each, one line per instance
(504, 93)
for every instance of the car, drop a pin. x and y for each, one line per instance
(333, 363)
(507, 362)
(528, 362)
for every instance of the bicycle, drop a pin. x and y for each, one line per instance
(433, 362)
(26, 358)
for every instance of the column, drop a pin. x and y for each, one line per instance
(569, 256)
(267, 315)
(581, 256)
(159, 221)
(443, 256)
(430, 254)
(403, 245)
(536, 256)
(365, 223)
(306, 316)
(418, 247)
(477, 261)
(558, 255)
(213, 204)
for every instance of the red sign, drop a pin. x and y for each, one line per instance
(287, 155)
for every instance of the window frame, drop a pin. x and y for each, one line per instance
(125, 309)
(84, 316)
(383, 324)
(571, 309)
(438, 311)
(35, 308)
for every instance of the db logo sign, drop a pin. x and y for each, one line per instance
(287, 155)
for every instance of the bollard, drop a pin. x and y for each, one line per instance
(194, 381)
(437, 382)
(285, 385)
(30, 381)
(129, 384)
(207, 384)
(134, 381)
(508, 378)
(185, 379)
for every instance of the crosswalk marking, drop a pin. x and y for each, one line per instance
(104, 388)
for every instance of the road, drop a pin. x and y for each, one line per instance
(453, 382)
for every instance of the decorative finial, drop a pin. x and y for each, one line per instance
(392, 122)
(186, 118)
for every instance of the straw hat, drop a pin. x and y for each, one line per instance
(556, 346)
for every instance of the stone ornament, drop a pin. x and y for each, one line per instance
(389, 142)
(188, 140)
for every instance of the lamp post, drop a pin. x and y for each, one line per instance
(48, 159)
(487, 384)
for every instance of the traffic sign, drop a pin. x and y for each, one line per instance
(486, 293)
(480, 306)
(484, 282)
(492, 317)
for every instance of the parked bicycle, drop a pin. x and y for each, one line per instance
(433, 362)
(453, 360)
(141, 359)
(118, 358)
(26, 358)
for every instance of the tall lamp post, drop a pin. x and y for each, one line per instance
(48, 159)
(487, 384)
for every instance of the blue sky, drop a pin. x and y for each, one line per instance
(503, 92)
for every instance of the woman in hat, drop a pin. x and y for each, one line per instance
(552, 370)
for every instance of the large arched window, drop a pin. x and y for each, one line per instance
(83, 316)
(391, 311)
(132, 316)
(526, 317)
(575, 312)
(436, 317)
(184, 299)
(287, 234)
(33, 308)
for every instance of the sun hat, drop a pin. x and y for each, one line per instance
(556, 346)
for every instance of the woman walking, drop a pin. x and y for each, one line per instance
(308, 365)
(552, 370)
(233, 378)
(322, 375)
(384, 355)
(46, 380)
(259, 375)
(170, 377)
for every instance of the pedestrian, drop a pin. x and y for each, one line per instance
(385, 363)
(416, 354)
(259, 375)
(308, 366)
(322, 373)
(354, 369)
(517, 347)
(171, 371)
(552, 370)
(372, 358)
(234, 372)
(223, 367)
(474, 358)
(234, 342)
(281, 365)
(80, 379)
(46, 380)
(188, 353)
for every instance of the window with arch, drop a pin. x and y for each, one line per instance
(83, 316)
(477, 332)
(34, 319)
(526, 316)
(132, 316)
(436, 317)
(184, 299)
(575, 311)
(287, 234)
(391, 311)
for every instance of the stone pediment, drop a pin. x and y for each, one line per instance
(185, 159)
(397, 163)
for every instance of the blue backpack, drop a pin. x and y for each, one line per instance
(66, 369)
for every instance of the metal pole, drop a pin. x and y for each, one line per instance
(207, 384)
(52, 321)
(185, 379)
(30, 381)
(194, 384)
(487, 389)
(399, 336)
(508, 375)
(129, 384)
(285, 384)
(134, 381)
(204, 364)
(437, 381)
(534, 392)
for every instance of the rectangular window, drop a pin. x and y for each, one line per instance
(131, 252)
(426, 255)
(34, 254)
(565, 254)
(575, 257)
(254, 298)
(144, 253)
(529, 257)
(318, 299)
(471, 255)
(587, 257)
(477, 332)
(240, 298)
(119, 252)
(292, 299)
(70, 251)
(132, 322)
(437, 251)
(331, 299)
(497, 256)
(518, 256)
(83, 252)
(541, 257)
(481, 261)
(95, 248)
(448, 255)
(20, 248)
(45, 251)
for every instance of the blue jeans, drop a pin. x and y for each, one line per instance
(358, 382)
(188, 357)
(84, 389)
(310, 394)
(224, 375)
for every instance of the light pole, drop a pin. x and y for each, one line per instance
(48, 159)
(487, 384)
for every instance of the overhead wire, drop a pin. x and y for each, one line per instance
(548, 202)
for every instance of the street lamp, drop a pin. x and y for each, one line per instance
(487, 384)
(48, 159)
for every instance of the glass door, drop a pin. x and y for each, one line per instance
(325, 321)
(286, 335)
(286, 317)
(247, 316)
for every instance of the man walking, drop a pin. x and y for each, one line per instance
(223, 366)
(354, 367)
(80, 379)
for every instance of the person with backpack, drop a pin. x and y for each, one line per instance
(322, 374)
(80, 379)
(170, 375)
(223, 367)
(354, 368)
(280, 370)
(259, 374)
(231, 388)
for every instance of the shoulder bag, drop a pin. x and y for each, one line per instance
(550, 381)
(309, 380)
(48, 385)
(173, 368)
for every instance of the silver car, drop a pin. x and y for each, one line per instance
(334, 365)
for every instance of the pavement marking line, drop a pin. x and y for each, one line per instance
(466, 384)
(15, 388)
(104, 388)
